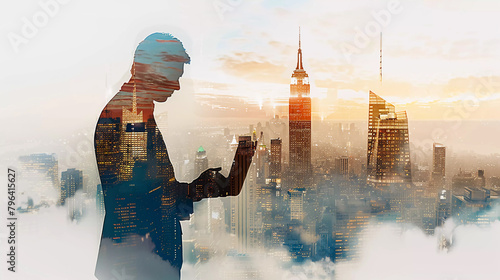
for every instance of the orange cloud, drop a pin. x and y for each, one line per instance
(254, 68)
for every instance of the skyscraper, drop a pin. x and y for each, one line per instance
(201, 161)
(71, 181)
(107, 138)
(377, 107)
(201, 164)
(438, 164)
(299, 126)
(99, 201)
(134, 137)
(297, 204)
(443, 207)
(243, 206)
(275, 160)
(388, 144)
(342, 166)
(262, 162)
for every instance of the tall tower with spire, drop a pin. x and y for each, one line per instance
(300, 126)
(134, 135)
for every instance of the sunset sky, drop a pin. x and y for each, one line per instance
(63, 60)
(440, 57)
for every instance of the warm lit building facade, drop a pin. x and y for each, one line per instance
(299, 126)
(388, 145)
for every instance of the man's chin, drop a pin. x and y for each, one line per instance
(161, 98)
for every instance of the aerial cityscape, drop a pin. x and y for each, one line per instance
(314, 207)
(342, 184)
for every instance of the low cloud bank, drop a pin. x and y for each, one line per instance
(51, 246)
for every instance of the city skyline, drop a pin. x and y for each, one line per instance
(348, 177)
(462, 59)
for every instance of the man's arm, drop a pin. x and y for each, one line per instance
(213, 184)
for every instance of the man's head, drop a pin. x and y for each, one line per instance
(158, 65)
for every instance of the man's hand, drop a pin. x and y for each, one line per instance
(210, 183)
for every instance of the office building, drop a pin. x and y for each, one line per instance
(300, 168)
(388, 145)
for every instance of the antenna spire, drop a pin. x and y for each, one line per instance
(299, 55)
(299, 37)
(380, 57)
(134, 95)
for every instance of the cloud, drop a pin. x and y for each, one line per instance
(146, 264)
(307, 237)
(391, 253)
(388, 252)
(482, 86)
(439, 48)
(251, 67)
(390, 87)
(52, 247)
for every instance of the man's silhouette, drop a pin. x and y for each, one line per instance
(141, 236)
